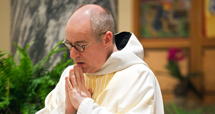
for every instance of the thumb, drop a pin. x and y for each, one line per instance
(91, 91)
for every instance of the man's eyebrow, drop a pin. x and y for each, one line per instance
(82, 41)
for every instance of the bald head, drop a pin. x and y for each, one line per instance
(84, 13)
(92, 17)
(90, 7)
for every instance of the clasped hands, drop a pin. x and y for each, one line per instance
(75, 90)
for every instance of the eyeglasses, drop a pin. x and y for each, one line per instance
(78, 47)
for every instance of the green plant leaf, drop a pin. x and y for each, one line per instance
(32, 83)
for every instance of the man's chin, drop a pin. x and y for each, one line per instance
(85, 70)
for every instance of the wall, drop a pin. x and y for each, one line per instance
(125, 15)
(5, 25)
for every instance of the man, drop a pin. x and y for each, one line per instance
(109, 75)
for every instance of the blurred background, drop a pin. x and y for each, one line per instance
(186, 27)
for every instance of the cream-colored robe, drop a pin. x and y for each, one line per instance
(124, 85)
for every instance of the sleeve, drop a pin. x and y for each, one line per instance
(134, 91)
(88, 106)
(55, 100)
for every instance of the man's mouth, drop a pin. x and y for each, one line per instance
(80, 64)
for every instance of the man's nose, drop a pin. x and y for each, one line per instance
(74, 53)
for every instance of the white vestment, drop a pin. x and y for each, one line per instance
(128, 85)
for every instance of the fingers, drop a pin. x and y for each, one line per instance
(66, 88)
(77, 75)
(82, 77)
(68, 85)
(91, 91)
(75, 86)
(72, 78)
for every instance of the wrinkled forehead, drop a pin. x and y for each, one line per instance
(78, 32)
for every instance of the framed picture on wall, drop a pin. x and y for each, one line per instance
(209, 18)
(164, 19)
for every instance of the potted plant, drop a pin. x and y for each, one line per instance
(175, 55)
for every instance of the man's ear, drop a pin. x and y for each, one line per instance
(108, 37)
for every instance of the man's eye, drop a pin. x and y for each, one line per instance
(79, 45)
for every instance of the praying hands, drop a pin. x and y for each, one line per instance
(75, 89)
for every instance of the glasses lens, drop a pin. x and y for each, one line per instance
(76, 46)
(67, 45)
(79, 48)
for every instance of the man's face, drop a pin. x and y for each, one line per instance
(94, 56)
